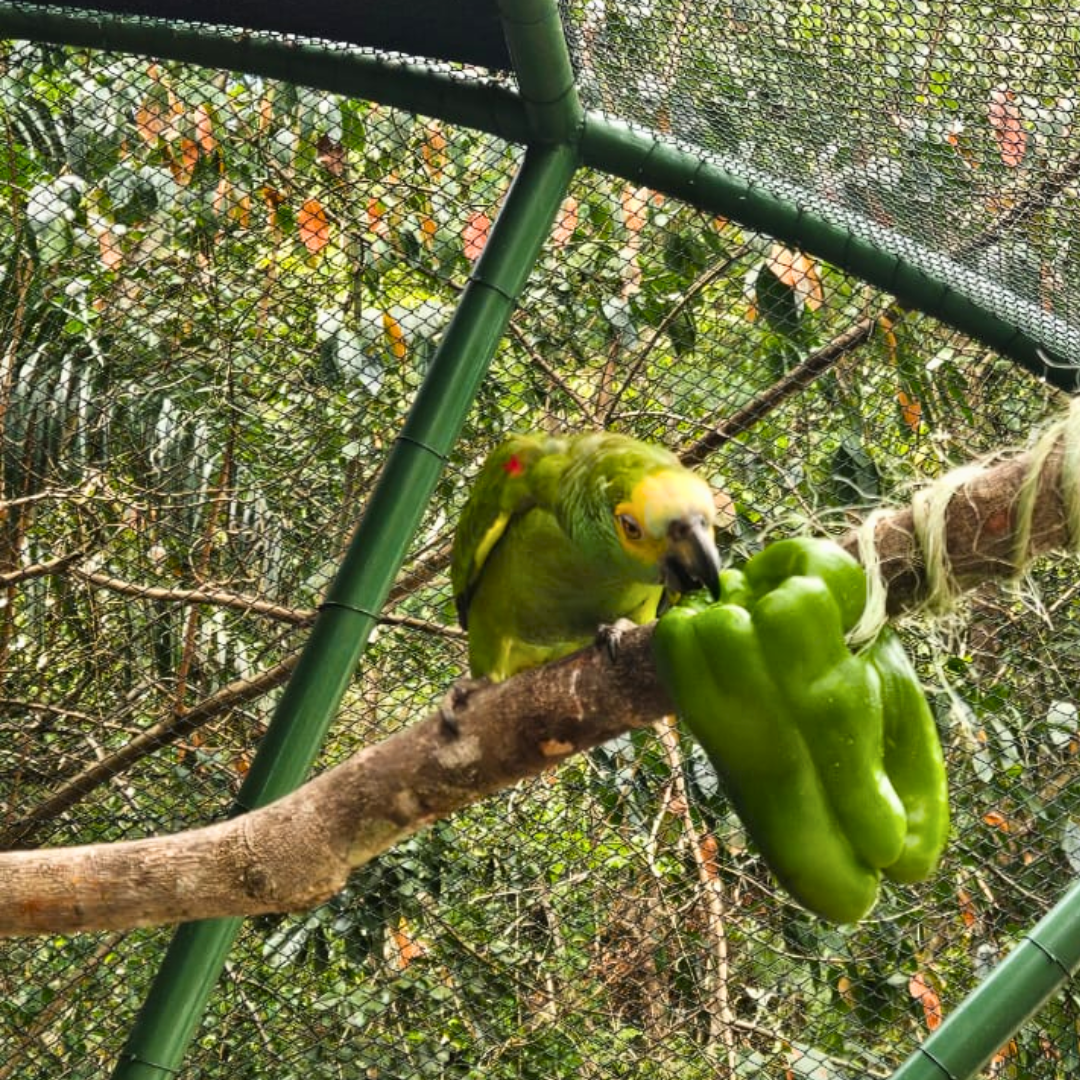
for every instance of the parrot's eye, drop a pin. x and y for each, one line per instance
(631, 529)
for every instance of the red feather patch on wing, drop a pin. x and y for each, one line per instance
(514, 467)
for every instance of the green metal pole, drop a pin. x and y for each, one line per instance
(177, 998)
(1038, 341)
(955, 294)
(476, 104)
(1013, 992)
(545, 75)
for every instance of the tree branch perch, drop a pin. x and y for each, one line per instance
(298, 851)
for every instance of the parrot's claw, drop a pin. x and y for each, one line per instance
(453, 700)
(610, 635)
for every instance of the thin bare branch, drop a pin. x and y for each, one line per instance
(249, 605)
(796, 380)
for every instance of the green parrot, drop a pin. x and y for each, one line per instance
(564, 535)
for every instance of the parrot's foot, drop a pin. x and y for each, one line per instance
(610, 635)
(454, 699)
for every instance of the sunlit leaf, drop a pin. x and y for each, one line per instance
(474, 235)
(910, 410)
(566, 222)
(1070, 844)
(313, 225)
(1003, 115)
(1061, 722)
(921, 991)
(204, 129)
(634, 202)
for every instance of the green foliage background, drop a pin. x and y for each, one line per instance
(218, 297)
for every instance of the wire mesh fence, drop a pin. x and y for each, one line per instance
(219, 297)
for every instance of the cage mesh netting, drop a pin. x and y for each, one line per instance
(219, 295)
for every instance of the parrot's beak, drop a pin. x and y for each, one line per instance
(691, 561)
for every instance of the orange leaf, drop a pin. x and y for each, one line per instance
(149, 123)
(709, 851)
(204, 129)
(394, 332)
(475, 234)
(967, 908)
(429, 229)
(798, 272)
(183, 166)
(910, 410)
(265, 113)
(1009, 1050)
(314, 227)
(1004, 118)
(273, 199)
(634, 202)
(376, 212)
(408, 948)
(996, 820)
(433, 150)
(931, 1003)
(566, 222)
(222, 196)
(241, 211)
(888, 335)
(109, 250)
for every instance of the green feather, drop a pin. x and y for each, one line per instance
(538, 565)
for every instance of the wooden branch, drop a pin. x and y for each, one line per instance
(298, 851)
(980, 531)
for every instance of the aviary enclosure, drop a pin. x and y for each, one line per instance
(266, 283)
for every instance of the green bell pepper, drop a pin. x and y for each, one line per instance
(806, 735)
(913, 760)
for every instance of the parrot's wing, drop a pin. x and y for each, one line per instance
(505, 488)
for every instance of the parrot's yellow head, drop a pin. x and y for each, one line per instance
(667, 523)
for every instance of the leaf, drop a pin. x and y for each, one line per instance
(376, 215)
(967, 907)
(1004, 118)
(109, 250)
(910, 410)
(1070, 844)
(183, 159)
(392, 329)
(150, 122)
(919, 989)
(204, 129)
(566, 222)
(433, 150)
(798, 272)
(1061, 720)
(313, 225)
(407, 947)
(634, 202)
(474, 235)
